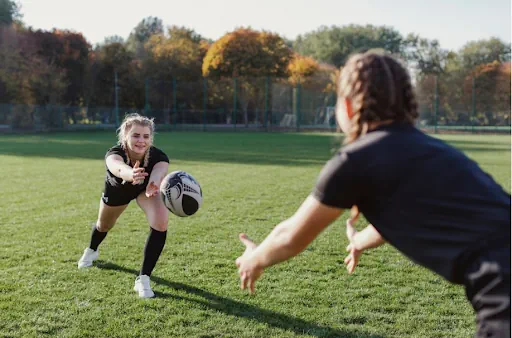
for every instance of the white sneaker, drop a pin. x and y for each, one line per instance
(143, 288)
(87, 258)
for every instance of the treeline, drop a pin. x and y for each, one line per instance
(163, 68)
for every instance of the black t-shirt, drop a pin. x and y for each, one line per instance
(155, 155)
(424, 197)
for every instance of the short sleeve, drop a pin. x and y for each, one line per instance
(338, 184)
(158, 156)
(116, 150)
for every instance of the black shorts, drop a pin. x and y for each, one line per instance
(487, 283)
(114, 196)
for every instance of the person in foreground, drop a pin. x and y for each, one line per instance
(134, 171)
(422, 196)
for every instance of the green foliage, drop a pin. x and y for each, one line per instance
(334, 44)
(426, 56)
(481, 52)
(142, 33)
(104, 63)
(9, 12)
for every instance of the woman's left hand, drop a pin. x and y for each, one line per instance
(151, 189)
(353, 253)
(247, 269)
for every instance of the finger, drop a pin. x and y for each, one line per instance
(350, 229)
(356, 261)
(350, 267)
(243, 280)
(137, 163)
(246, 241)
(349, 248)
(238, 261)
(354, 213)
(251, 286)
(348, 259)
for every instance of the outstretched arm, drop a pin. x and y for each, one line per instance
(157, 175)
(118, 168)
(368, 238)
(287, 240)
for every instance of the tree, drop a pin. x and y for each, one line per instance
(142, 33)
(113, 39)
(243, 54)
(301, 69)
(29, 79)
(492, 93)
(426, 56)
(105, 62)
(481, 52)
(334, 44)
(9, 12)
(246, 52)
(178, 56)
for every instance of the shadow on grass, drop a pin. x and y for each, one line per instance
(239, 147)
(239, 309)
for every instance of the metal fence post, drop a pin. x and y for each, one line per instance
(435, 104)
(205, 101)
(174, 103)
(267, 80)
(117, 99)
(473, 104)
(234, 101)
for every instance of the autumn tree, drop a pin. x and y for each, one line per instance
(177, 56)
(491, 87)
(250, 56)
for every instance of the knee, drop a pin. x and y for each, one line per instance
(160, 224)
(102, 227)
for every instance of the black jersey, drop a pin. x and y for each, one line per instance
(115, 193)
(425, 197)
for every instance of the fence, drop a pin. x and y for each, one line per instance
(267, 104)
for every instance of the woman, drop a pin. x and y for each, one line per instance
(134, 170)
(422, 196)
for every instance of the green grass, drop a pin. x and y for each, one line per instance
(51, 185)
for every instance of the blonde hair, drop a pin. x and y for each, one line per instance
(123, 133)
(379, 88)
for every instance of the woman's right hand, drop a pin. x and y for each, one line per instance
(138, 174)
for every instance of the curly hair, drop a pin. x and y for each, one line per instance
(379, 88)
(123, 133)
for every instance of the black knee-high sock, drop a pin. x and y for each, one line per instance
(154, 246)
(96, 238)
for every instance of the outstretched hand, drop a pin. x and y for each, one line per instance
(138, 174)
(152, 189)
(353, 257)
(247, 269)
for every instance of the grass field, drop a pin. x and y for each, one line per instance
(52, 183)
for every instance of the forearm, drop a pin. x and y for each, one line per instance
(120, 169)
(278, 246)
(159, 171)
(368, 238)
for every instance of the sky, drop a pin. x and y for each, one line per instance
(452, 22)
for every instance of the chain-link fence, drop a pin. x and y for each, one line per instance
(446, 102)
